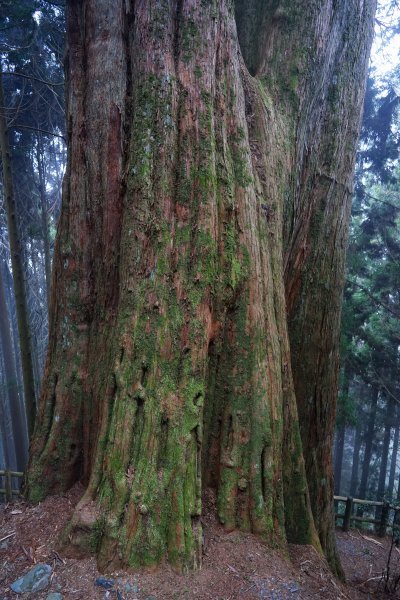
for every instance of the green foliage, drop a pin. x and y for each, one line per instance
(380, 139)
(371, 309)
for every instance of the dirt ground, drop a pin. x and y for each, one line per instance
(235, 565)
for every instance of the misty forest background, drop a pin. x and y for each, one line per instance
(366, 453)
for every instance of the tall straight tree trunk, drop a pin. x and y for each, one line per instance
(393, 459)
(356, 459)
(369, 439)
(10, 301)
(17, 268)
(199, 131)
(341, 428)
(6, 429)
(398, 490)
(339, 450)
(385, 455)
(44, 215)
(10, 372)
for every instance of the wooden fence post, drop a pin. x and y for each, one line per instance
(384, 519)
(336, 505)
(347, 514)
(7, 486)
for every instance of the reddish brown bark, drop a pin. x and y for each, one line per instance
(169, 366)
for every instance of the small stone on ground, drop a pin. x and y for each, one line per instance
(35, 580)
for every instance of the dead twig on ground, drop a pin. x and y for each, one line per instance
(58, 557)
(368, 580)
(8, 536)
(369, 539)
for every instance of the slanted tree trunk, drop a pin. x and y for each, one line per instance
(210, 129)
(17, 268)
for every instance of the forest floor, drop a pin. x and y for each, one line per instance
(235, 565)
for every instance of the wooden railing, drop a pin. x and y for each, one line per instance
(8, 491)
(348, 517)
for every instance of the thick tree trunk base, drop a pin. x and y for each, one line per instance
(170, 368)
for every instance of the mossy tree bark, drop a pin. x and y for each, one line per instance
(203, 165)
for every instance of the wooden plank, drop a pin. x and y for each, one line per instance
(8, 486)
(358, 519)
(7, 491)
(367, 502)
(13, 473)
(365, 520)
(359, 501)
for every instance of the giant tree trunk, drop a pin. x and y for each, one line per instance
(197, 134)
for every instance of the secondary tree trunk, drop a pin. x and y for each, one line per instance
(198, 132)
